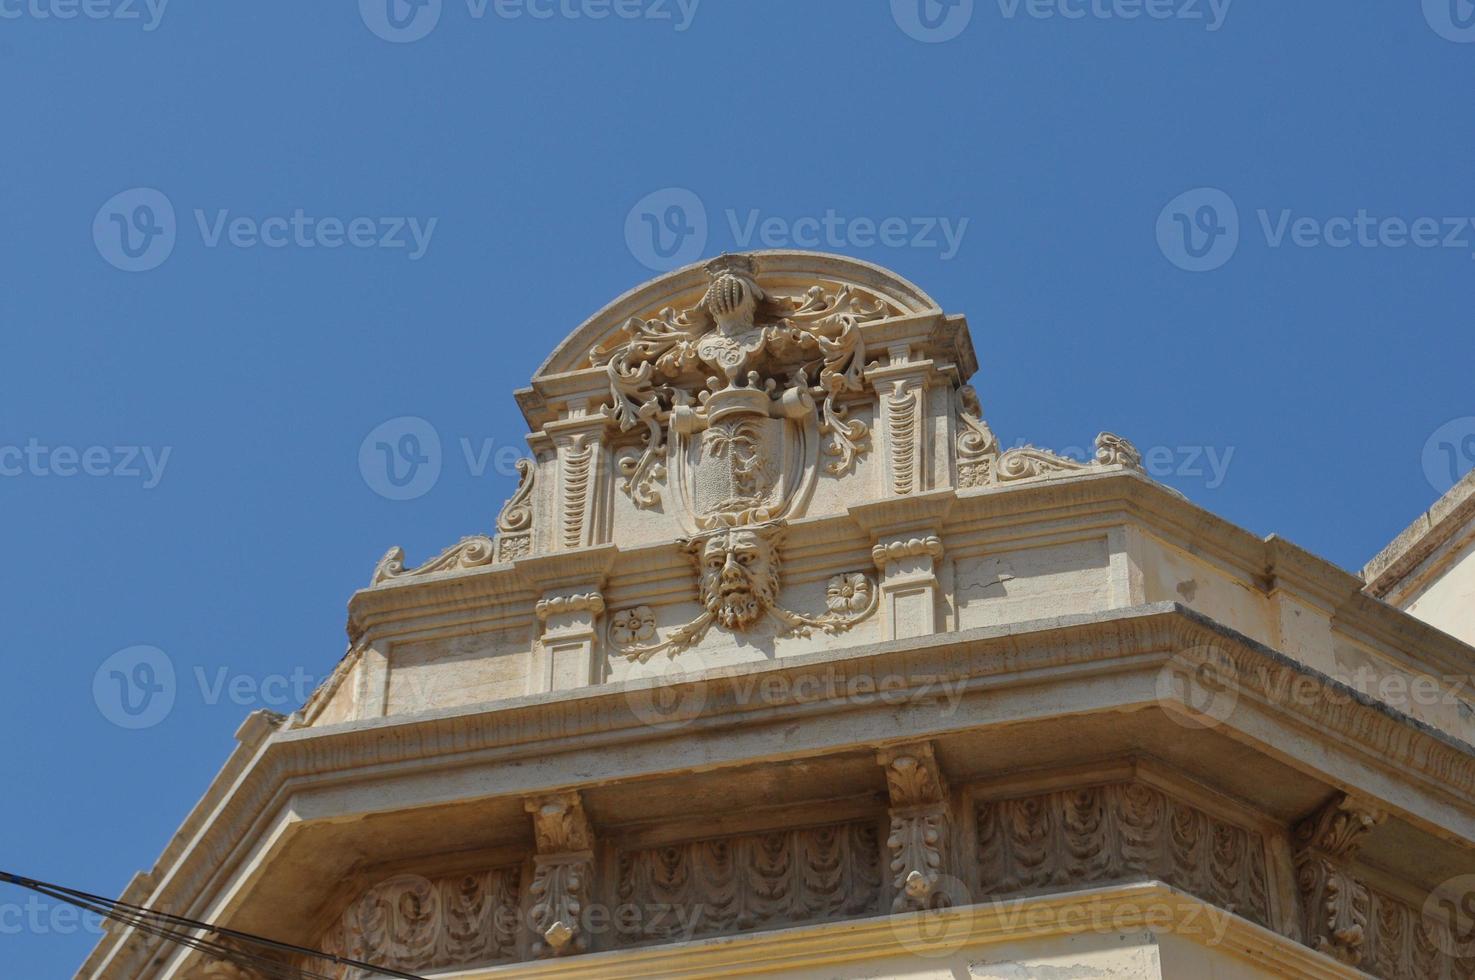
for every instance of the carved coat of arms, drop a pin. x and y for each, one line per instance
(742, 401)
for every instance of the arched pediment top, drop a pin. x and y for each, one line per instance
(781, 271)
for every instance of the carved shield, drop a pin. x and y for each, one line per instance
(744, 469)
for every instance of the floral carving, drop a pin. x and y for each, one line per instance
(918, 826)
(411, 923)
(741, 334)
(981, 462)
(631, 626)
(849, 594)
(1120, 832)
(562, 872)
(749, 881)
(471, 552)
(1338, 904)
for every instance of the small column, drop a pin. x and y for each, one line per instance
(563, 870)
(1335, 904)
(918, 837)
(570, 636)
(908, 568)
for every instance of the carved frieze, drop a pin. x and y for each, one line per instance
(1120, 832)
(410, 923)
(730, 884)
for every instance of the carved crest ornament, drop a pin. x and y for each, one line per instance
(739, 397)
(727, 414)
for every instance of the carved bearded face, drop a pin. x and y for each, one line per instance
(739, 574)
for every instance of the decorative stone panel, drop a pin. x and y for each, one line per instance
(751, 881)
(414, 924)
(1120, 832)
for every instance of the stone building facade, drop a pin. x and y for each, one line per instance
(779, 663)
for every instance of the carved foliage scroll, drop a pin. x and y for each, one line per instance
(730, 884)
(982, 462)
(410, 923)
(1120, 832)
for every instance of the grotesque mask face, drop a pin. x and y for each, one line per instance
(739, 574)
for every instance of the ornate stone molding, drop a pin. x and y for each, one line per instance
(918, 836)
(472, 552)
(752, 339)
(1120, 832)
(566, 605)
(901, 549)
(563, 871)
(515, 522)
(413, 923)
(729, 884)
(981, 462)
(1336, 903)
(739, 574)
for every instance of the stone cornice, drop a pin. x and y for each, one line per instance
(1423, 762)
(1390, 568)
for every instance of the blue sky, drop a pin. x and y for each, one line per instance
(1238, 234)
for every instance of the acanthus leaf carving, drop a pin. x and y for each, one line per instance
(563, 871)
(918, 830)
(1336, 901)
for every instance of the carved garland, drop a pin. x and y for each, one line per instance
(739, 574)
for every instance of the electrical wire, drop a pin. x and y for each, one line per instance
(244, 949)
